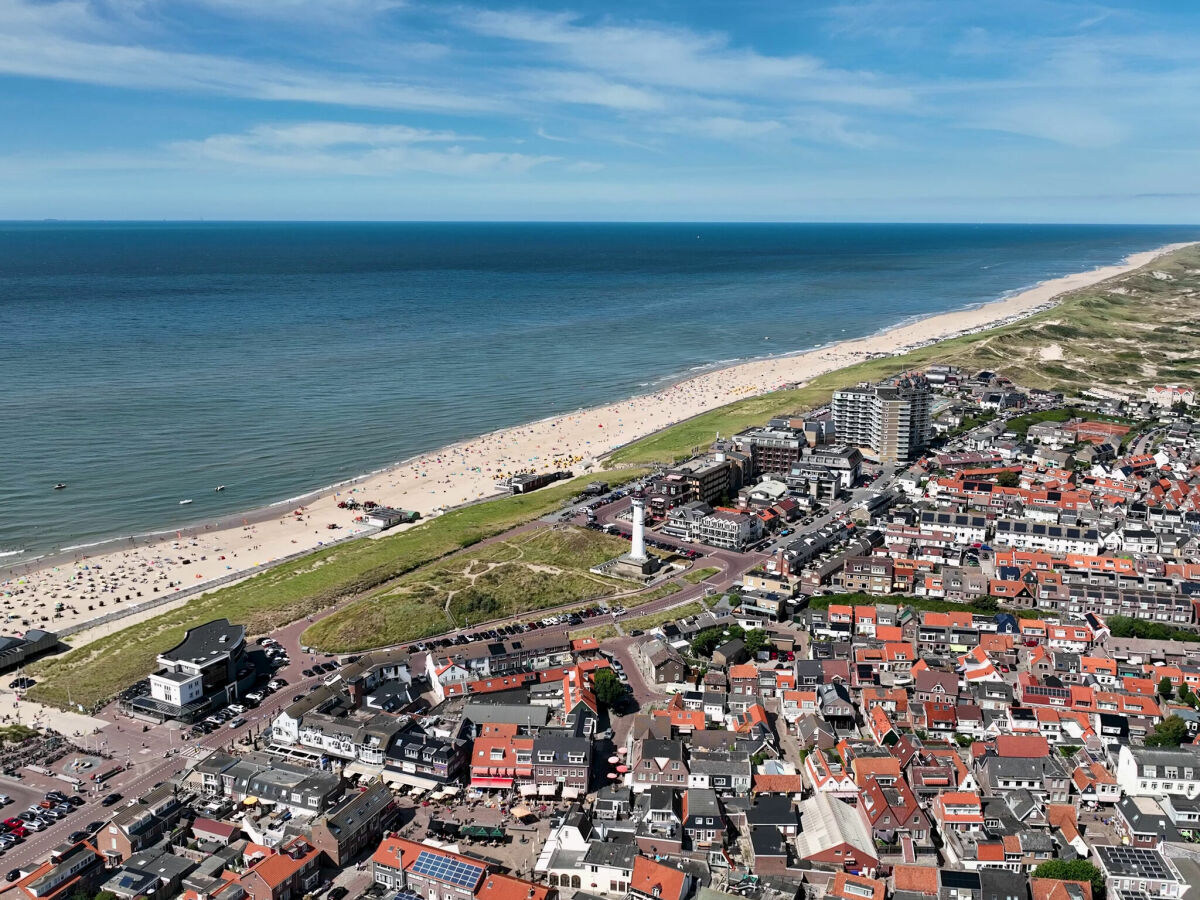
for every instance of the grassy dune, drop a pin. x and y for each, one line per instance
(531, 571)
(97, 671)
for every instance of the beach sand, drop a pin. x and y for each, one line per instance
(461, 473)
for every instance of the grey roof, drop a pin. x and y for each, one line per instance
(507, 714)
(617, 854)
(656, 748)
(772, 809)
(358, 809)
(1146, 816)
(205, 642)
(703, 802)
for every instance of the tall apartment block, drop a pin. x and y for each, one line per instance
(891, 418)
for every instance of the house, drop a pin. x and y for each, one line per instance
(1146, 772)
(774, 811)
(835, 837)
(655, 881)
(855, 887)
(893, 813)
(730, 653)
(656, 761)
(562, 758)
(432, 873)
(287, 875)
(354, 824)
(150, 873)
(1142, 822)
(140, 824)
(659, 662)
(1132, 872)
(725, 771)
(1053, 889)
(703, 821)
(70, 869)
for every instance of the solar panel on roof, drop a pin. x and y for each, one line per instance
(444, 868)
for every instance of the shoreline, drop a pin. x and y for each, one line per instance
(464, 472)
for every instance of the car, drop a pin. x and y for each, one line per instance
(7, 840)
(237, 723)
(236, 708)
(308, 673)
(13, 822)
(297, 697)
(34, 825)
(19, 833)
(13, 875)
(637, 632)
(111, 800)
(22, 683)
(338, 893)
(5, 800)
(57, 796)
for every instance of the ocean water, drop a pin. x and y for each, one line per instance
(147, 363)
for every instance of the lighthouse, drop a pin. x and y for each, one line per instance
(638, 549)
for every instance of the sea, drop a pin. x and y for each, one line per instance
(146, 363)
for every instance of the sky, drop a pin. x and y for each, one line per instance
(879, 110)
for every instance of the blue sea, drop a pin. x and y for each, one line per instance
(147, 363)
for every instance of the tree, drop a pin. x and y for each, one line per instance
(1073, 870)
(1008, 479)
(607, 687)
(1165, 688)
(1170, 732)
(756, 639)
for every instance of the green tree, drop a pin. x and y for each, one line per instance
(607, 687)
(1008, 479)
(756, 639)
(1073, 870)
(1165, 688)
(1170, 732)
(1183, 693)
(710, 639)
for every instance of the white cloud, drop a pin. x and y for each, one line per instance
(69, 41)
(1072, 125)
(684, 60)
(339, 148)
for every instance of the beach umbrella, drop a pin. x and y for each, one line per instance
(614, 760)
(612, 776)
(622, 750)
(622, 768)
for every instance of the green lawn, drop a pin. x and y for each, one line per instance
(697, 575)
(98, 671)
(654, 619)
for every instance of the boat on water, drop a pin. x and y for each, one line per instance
(60, 485)
(220, 487)
(184, 502)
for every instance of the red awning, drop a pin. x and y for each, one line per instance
(491, 782)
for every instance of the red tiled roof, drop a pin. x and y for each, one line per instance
(649, 875)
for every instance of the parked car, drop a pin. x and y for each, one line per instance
(111, 800)
(237, 723)
(13, 875)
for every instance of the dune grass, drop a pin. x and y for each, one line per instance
(99, 670)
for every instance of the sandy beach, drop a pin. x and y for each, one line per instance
(79, 590)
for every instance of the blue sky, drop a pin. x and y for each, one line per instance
(897, 110)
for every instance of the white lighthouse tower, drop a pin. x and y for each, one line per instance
(638, 549)
(637, 563)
